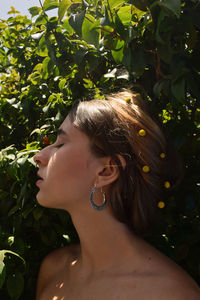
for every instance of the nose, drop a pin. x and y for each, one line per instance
(41, 158)
(37, 158)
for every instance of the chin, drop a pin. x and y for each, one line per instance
(47, 202)
(43, 201)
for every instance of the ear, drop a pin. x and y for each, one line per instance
(110, 171)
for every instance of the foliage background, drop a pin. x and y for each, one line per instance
(88, 49)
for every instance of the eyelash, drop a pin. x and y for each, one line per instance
(59, 146)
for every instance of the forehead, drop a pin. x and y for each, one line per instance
(67, 129)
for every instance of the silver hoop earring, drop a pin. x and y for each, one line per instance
(94, 205)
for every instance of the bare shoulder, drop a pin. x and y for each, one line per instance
(180, 283)
(168, 284)
(177, 288)
(164, 279)
(173, 283)
(53, 264)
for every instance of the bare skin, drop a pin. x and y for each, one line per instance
(147, 276)
(110, 263)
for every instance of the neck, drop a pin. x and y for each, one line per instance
(103, 240)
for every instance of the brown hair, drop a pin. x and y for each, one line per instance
(113, 127)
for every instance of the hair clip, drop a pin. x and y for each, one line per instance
(145, 169)
(162, 155)
(142, 132)
(128, 100)
(167, 184)
(161, 204)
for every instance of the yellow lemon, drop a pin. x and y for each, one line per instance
(167, 184)
(145, 169)
(128, 100)
(161, 204)
(142, 132)
(162, 155)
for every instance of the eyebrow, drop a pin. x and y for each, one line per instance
(61, 132)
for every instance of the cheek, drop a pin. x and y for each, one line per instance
(69, 175)
(69, 178)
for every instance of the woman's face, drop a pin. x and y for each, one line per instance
(68, 169)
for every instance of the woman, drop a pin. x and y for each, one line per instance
(107, 168)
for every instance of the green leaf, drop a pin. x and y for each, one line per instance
(58, 117)
(193, 85)
(67, 26)
(178, 89)
(110, 42)
(2, 25)
(62, 83)
(13, 210)
(119, 53)
(27, 211)
(2, 270)
(117, 56)
(91, 31)
(113, 4)
(93, 62)
(105, 21)
(173, 5)
(76, 21)
(2, 255)
(35, 10)
(42, 47)
(161, 18)
(2, 274)
(85, 4)
(15, 285)
(11, 240)
(41, 20)
(134, 60)
(165, 52)
(46, 67)
(140, 4)
(88, 83)
(50, 4)
(13, 11)
(161, 87)
(164, 49)
(64, 5)
(124, 75)
(193, 38)
(125, 15)
(4, 252)
(120, 28)
(111, 74)
(37, 36)
(35, 78)
(38, 67)
(37, 213)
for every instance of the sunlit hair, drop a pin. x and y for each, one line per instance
(112, 126)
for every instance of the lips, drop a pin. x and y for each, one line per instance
(40, 177)
(40, 180)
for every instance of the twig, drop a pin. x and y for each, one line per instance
(197, 4)
(41, 4)
(158, 68)
(89, 20)
(114, 33)
(110, 11)
(43, 10)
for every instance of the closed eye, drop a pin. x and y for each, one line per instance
(59, 146)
